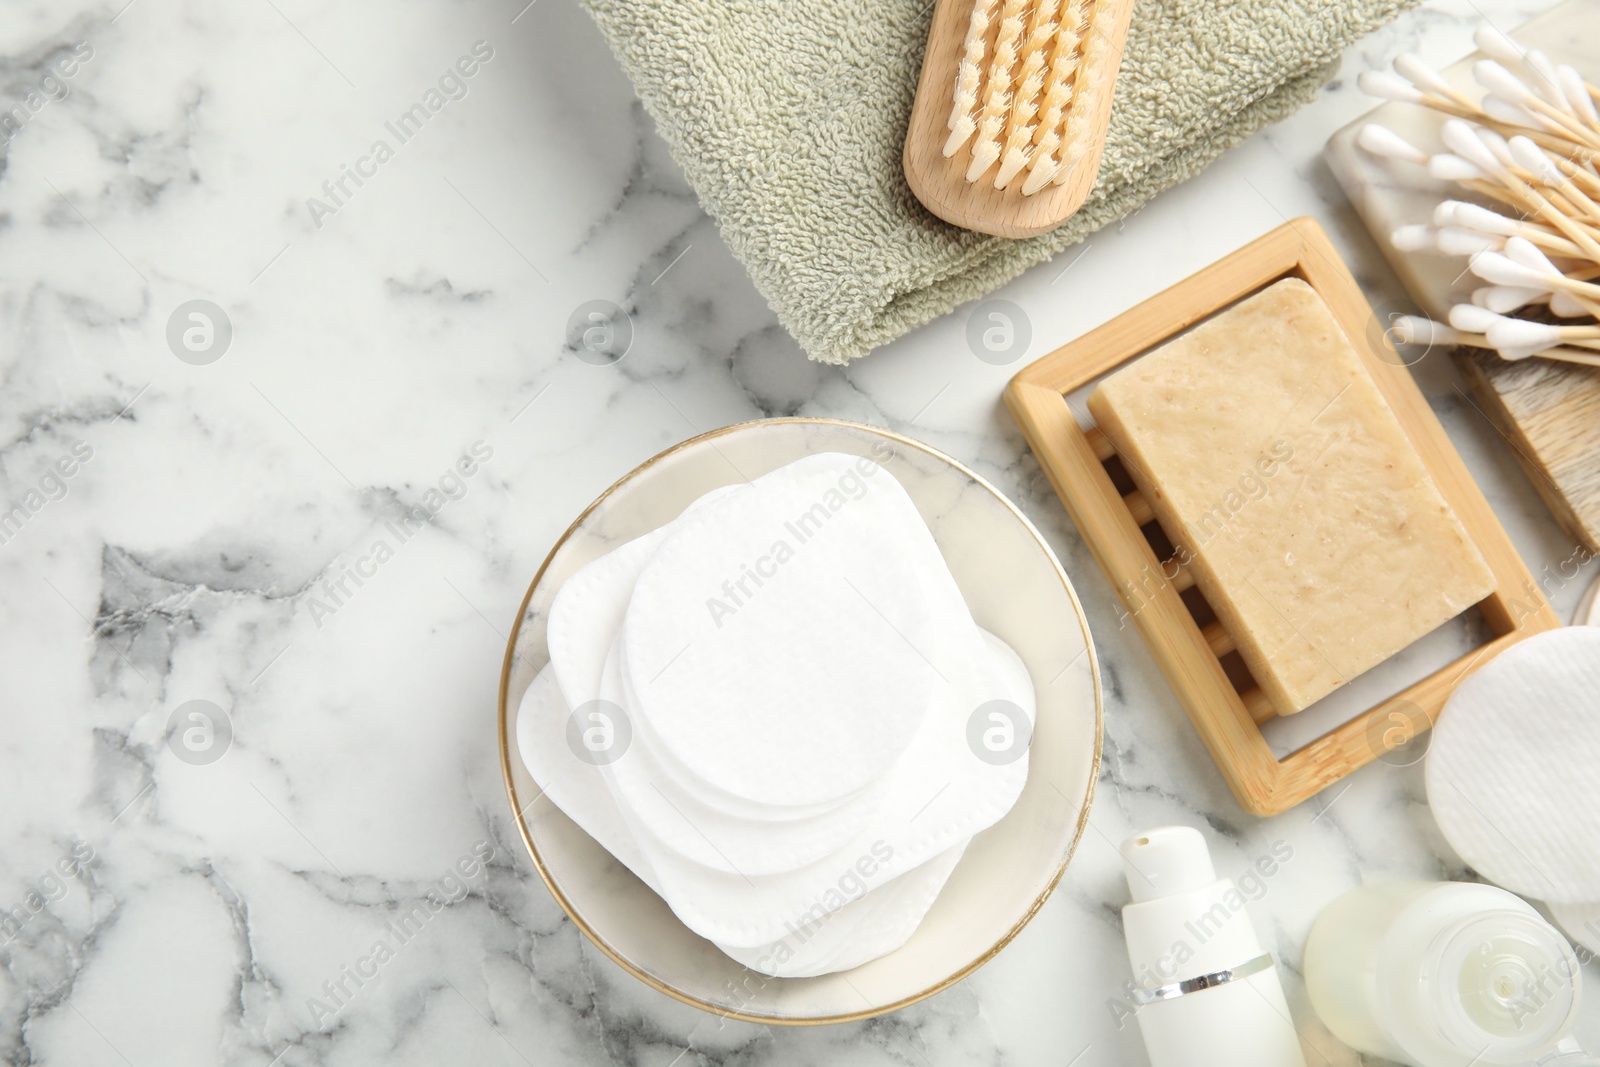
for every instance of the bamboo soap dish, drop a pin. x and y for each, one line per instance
(1013, 93)
(1193, 649)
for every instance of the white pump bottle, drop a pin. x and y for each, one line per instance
(1207, 994)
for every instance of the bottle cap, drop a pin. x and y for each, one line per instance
(1507, 984)
(1166, 860)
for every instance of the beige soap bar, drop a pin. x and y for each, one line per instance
(1280, 473)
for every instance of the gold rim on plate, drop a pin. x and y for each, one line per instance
(600, 942)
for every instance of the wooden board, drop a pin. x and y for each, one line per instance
(1549, 413)
(1189, 654)
(941, 184)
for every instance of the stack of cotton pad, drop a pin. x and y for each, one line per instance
(1511, 772)
(778, 712)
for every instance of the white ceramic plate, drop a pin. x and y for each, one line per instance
(1015, 588)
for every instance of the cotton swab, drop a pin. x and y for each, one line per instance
(1496, 268)
(1497, 46)
(1509, 334)
(1520, 333)
(1472, 217)
(1464, 141)
(1504, 299)
(1412, 330)
(1494, 77)
(1547, 82)
(1520, 250)
(1507, 339)
(1525, 253)
(1457, 241)
(1451, 168)
(1504, 111)
(1414, 238)
(1386, 86)
(1408, 329)
(1469, 318)
(1564, 305)
(1425, 78)
(1382, 141)
(1577, 95)
(1482, 220)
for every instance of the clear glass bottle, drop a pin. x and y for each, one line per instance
(1444, 974)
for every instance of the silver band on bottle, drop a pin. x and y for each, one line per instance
(1204, 981)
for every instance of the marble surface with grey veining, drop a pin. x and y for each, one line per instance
(277, 277)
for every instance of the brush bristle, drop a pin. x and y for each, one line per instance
(997, 95)
(1025, 104)
(968, 74)
(1086, 90)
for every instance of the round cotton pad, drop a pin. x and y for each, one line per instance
(739, 842)
(584, 619)
(1511, 768)
(777, 640)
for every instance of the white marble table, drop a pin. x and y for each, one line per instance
(218, 536)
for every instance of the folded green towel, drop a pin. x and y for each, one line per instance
(788, 117)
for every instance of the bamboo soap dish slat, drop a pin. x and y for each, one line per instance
(1120, 528)
(1083, 67)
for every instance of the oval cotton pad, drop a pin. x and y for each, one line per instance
(778, 639)
(862, 929)
(1511, 768)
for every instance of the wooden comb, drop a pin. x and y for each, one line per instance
(1011, 110)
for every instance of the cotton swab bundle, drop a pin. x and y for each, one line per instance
(1529, 147)
(1014, 98)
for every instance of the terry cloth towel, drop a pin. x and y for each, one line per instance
(788, 118)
